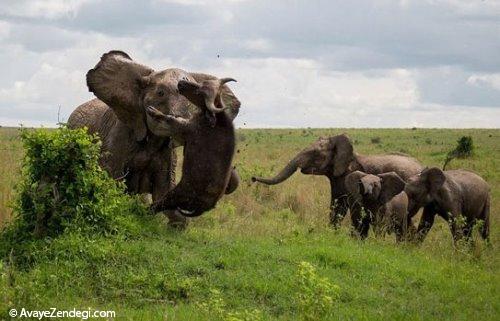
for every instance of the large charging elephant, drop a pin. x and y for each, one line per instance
(130, 151)
(334, 158)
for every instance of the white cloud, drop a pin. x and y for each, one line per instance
(259, 44)
(58, 80)
(467, 7)
(298, 92)
(41, 8)
(202, 2)
(299, 64)
(4, 29)
(489, 80)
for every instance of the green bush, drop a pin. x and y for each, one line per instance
(464, 149)
(465, 146)
(63, 189)
(316, 295)
(217, 309)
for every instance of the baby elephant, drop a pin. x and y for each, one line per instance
(209, 143)
(461, 197)
(383, 199)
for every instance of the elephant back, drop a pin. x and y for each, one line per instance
(91, 114)
(405, 166)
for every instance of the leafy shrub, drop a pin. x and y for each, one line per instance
(217, 309)
(464, 149)
(63, 189)
(316, 295)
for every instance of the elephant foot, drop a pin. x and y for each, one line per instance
(176, 220)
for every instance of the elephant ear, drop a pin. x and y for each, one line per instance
(391, 185)
(229, 100)
(118, 81)
(434, 178)
(342, 154)
(353, 184)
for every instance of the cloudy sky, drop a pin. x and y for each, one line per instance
(425, 63)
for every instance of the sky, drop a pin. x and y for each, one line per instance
(373, 63)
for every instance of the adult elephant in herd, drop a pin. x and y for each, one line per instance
(130, 151)
(334, 158)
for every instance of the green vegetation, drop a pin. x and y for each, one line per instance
(265, 253)
(464, 148)
(63, 190)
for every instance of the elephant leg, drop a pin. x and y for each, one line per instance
(163, 174)
(234, 181)
(400, 233)
(360, 221)
(456, 222)
(426, 222)
(485, 230)
(457, 231)
(338, 210)
(468, 228)
(400, 228)
(405, 230)
(164, 181)
(132, 181)
(410, 229)
(383, 223)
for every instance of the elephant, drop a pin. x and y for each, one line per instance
(334, 157)
(209, 142)
(384, 200)
(461, 197)
(130, 151)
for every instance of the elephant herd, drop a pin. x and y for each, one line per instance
(142, 115)
(387, 191)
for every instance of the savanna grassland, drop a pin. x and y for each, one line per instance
(267, 253)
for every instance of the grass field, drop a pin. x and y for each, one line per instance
(267, 253)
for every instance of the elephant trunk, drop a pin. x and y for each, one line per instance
(285, 173)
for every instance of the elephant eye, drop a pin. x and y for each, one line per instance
(161, 93)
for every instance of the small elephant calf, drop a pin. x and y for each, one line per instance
(461, 197)
(383, 199)
(209, 143)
